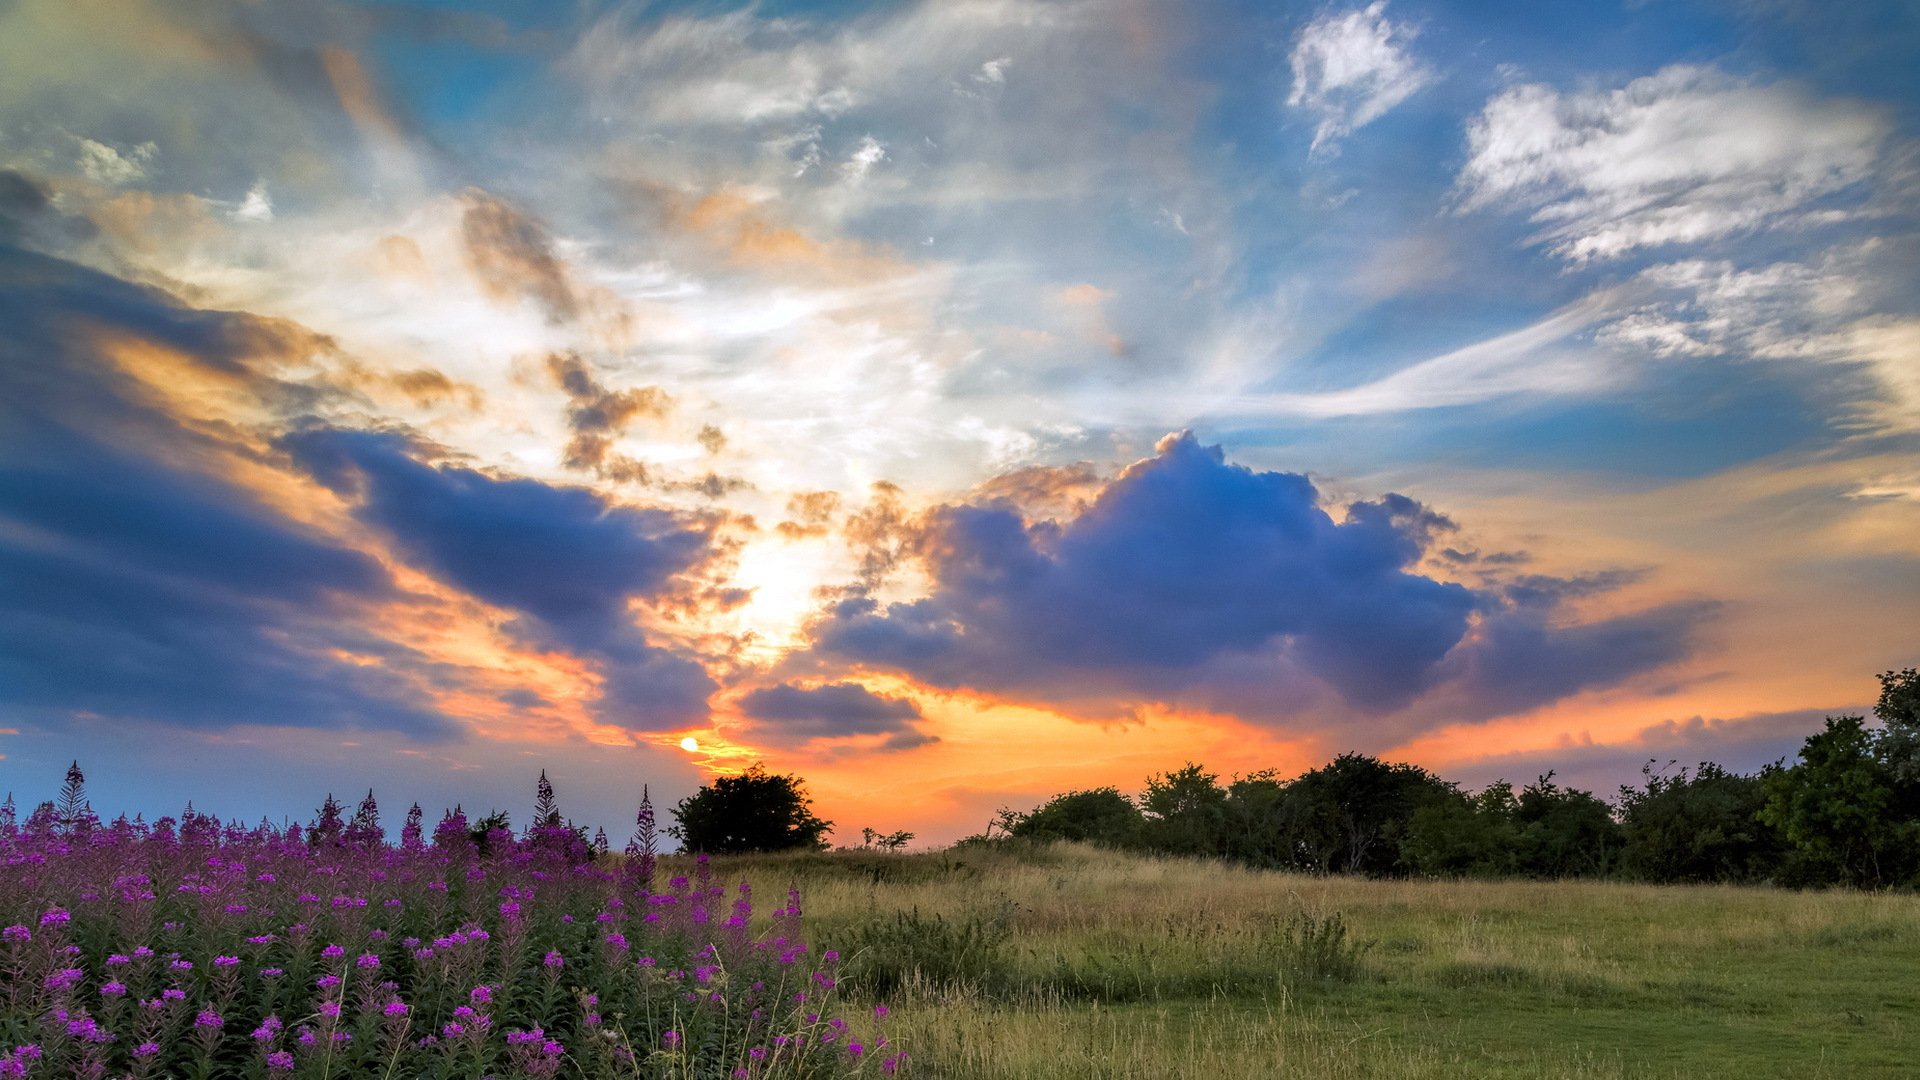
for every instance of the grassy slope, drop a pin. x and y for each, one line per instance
(1128, 967)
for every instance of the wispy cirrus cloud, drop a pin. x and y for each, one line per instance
(1687, 154)
(1350, 69)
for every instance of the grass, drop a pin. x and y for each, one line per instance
(1083, 963)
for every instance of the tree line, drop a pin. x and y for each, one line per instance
(1845, 811)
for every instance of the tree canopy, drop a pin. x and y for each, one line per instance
(754, 811)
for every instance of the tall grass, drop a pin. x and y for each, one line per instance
(1115, 965)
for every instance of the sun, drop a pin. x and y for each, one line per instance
(689, 744)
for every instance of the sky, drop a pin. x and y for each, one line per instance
(950, 403)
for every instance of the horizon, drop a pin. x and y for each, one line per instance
(951, 404)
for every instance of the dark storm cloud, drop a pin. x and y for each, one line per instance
(27, 213)
(134, 581)
(1188, 577)
(512, 255)
(794, 714)
(565, 557)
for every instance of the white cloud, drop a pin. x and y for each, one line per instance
(1820, 313)
(104, 164)
(1350, 69)
(1684, 155)
(257, 206)
(869, 153)
(1536, 359)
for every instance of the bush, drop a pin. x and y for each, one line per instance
(1317, 948)
(929, 950)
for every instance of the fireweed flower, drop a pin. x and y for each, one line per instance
(395, 1008)
(208, 1019)
(554, 959)
(367, 961)
(226, 961)
(280, 1061)
(16, 933)
(113, 989)
(481, 995)
(333, 952)
(56, 917)
(146, 1049)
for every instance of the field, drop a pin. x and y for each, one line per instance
(1114, 966)
(222, 953)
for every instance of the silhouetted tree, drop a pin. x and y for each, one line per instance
(1185, 812)
(755, 811)
(1099, 816)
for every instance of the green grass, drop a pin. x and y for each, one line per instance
(1105, 965)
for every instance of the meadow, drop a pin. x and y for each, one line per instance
(210, 951)
(1066, 961)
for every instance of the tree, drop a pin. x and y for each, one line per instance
(754, 811)
(1465, 836)
(1186, 811)
(1833, 808)
(1354, 814)
(1703, 827)
(1101, 816)
(1563, 832)
(1899, 709)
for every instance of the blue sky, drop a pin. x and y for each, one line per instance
(402, 390)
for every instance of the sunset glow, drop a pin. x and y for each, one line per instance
(950, 403)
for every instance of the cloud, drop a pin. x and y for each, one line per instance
(136, 582)
(513, 257)
(106, 165)
(1192, 580)
(567, 559)
(1742, 744)
(1842, 313)
(1541, 358)
(1350, 69)
(789, 714)
(597, 416)
(1684, 155)
(28, 214)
